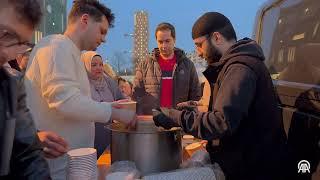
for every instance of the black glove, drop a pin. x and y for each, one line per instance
(160, 119)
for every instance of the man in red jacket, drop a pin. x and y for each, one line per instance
(167, 77)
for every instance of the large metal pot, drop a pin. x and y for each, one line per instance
(151, 149)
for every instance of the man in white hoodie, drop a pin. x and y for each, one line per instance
(57, 84)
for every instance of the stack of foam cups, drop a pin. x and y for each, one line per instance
(82, 164)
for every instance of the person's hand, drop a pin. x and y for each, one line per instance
(116, 104)
(161, 118)
(132, 124)
(122, 100)
(125, 116)
(54, 145)
(204, 143)
(188, 105)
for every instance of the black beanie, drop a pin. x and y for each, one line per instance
(209, 22)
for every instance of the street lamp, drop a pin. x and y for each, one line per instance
(130, 54)
(132, 35)
(126, 52)
(128, 35)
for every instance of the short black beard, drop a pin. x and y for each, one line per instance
(213, 54)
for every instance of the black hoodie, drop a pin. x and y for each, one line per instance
(243, 116)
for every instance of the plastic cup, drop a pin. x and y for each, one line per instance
(130, 105)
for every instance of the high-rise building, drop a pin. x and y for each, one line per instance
(54, 18)
(141, 37)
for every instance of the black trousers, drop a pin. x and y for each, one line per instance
(102, 138)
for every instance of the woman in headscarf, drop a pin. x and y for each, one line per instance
(103, 89)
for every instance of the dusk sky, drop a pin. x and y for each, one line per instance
(181, 13)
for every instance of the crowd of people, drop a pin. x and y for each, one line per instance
(58, 95)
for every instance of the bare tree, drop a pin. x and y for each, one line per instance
(121, 62)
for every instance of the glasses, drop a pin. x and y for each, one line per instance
(199, 44)
(11, 39)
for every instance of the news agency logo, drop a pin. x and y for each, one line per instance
(303, 166)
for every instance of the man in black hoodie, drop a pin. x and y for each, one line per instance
(243, 116)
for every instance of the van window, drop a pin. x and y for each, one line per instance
(291, 41)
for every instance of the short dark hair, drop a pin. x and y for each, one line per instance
(166, 26)
(29, 11)
(92, 7)
(121, 79)
(228, 32)
(130, 83)
(213, 22)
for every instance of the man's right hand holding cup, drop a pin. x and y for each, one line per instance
(123, 113)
